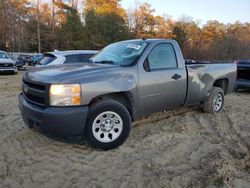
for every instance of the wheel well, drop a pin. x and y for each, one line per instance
(125, 98)
(222, 83)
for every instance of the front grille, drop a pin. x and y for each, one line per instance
(36, 93)
(6, 65)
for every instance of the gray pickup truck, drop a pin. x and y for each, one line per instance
(98, 101)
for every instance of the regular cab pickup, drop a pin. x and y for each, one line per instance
(97, 101)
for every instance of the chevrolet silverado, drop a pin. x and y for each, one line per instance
(97, 101)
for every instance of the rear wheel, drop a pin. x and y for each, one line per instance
(108, 125)
(215, 101)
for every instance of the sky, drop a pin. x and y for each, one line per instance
(225, 11)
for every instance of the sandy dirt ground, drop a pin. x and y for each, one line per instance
(180, 148)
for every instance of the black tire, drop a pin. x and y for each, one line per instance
(209, 104)
(99, 108)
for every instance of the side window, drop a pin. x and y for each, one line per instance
(86, 57)
(161, 57)
(47, 58)
(76, 58)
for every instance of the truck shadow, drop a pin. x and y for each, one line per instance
(243, 91)
(166, 114)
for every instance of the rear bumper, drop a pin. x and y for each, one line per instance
(242, 83)
(63, 123)
(20, 65)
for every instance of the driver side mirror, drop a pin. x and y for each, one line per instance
(146, 65)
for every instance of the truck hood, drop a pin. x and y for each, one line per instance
(66, 73)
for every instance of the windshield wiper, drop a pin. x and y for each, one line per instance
(105, 62)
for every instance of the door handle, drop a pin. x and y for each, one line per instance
(176, 76)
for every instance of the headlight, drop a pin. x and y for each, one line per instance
(65, 95)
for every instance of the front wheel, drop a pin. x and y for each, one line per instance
(215, 101)
(108, 125)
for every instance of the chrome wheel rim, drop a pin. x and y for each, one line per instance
(218, 101)
(107, 127)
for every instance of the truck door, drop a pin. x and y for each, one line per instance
(162, 83)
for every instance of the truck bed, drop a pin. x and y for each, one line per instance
(202, 76)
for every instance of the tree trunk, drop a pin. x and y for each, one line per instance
(38, 28)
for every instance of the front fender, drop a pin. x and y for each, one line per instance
(109, 83)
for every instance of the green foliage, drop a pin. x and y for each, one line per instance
(104, 23)
(103, 29)
(72, 31)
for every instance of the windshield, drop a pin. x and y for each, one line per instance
(120, 53)
(4, 55)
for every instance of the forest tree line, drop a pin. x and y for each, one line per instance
(40, 26)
